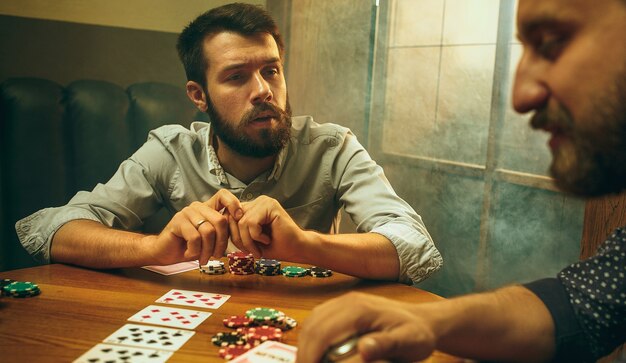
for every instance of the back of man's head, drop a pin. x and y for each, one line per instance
(245, 19)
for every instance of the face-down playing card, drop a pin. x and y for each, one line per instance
(196, 299)
(146, 336)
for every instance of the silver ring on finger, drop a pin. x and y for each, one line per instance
(199, 223)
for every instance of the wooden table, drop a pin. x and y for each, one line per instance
(80, 307)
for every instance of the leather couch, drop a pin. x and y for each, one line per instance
(56, 140)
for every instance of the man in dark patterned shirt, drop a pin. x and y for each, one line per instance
(572, 74)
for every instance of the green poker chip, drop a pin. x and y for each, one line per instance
(21, 289)
(264, 314)
(295, 271)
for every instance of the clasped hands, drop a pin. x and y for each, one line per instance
(202, 230)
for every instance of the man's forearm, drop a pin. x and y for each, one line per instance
(91, 244)
(510, 324)
(366, 255)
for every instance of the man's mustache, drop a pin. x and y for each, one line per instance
(269, 109)
(552, 118)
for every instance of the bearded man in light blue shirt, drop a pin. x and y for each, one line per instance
(271, 184)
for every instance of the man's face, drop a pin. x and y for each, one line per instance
(573, 75)
(246, 93)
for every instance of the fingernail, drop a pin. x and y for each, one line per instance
(238, 214)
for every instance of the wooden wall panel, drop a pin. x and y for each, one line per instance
(602, 216)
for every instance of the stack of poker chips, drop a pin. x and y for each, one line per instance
(256, 326)
(320, 272)
(272, 317)
(213, 267)
(267, 267)
(295, 271)
(241, 263)
(19, 288)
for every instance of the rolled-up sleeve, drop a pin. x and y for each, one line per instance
(35, 232)
(130, 196)
(374, 206)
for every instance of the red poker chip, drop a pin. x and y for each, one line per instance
(245, 330)
(234, 351)
(264, 333)
(237, 321)
(240, 256)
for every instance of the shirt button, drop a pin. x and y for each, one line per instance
(249, 196)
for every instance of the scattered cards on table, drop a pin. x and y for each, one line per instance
(173, 269)
(118, 353)
(196, 299)
(269, 352)
(149, 336)
(174, 317)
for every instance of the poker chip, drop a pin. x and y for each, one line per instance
(234, 351)
(295, 271)
(237, 321)
(283, 323)
(320, 272)
(267, 267)
(21, 289)
(244, 331)
(261, 314)
(224, 339)
(3, 283)
(213, 267)
(264, 333)
(241, 263)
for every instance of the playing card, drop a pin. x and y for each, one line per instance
(122, 354)
(173, 269)
(197, 299)
(174, 317)
(147, 336)
(268, 352)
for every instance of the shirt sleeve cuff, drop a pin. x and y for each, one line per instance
(35, 232)
(417, 254)
(571, 344)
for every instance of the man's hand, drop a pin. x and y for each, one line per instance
(267, 230)
(198, 231)
(388, 329)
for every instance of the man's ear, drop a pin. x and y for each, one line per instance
(196, 94)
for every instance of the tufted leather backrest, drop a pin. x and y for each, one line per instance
(56, 140)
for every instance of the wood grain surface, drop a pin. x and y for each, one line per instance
(80, 307)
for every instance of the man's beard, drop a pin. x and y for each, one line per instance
(591, 160)
(268, 141)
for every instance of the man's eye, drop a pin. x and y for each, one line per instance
(271, 71)
(550, 47)
(234, 77)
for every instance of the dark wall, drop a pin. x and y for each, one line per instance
(64, 52)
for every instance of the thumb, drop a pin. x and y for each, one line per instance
(393, 345)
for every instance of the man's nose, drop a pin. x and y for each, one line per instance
(262, 92)
(530, 92)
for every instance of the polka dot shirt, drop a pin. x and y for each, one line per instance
(588, 301)
(597, 292)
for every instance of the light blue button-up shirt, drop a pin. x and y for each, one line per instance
(322, 168)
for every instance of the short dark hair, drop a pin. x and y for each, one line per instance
(245, 19)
